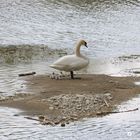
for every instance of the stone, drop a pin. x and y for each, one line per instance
(107, 94)
(41, 117)
(51, 108)
(63, 124)
(56, 104)
(43, 100)
(67, 122)
(56, 122)
(87, 101)
(64, 118)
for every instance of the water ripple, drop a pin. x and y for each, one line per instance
(120, 126)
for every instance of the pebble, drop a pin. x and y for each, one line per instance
(67, 122)
(56, 122)
(56, 104)
(87, 101)
(74, 118)
(49, 122)
(63, 124)
(41, 117)
(74, 115)
(64, 118)
(43, 100)
(107, 94)
(74, 106)
(79, 107)
(16, 114)
(51, 108)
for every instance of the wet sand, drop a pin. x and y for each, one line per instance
(42, 89)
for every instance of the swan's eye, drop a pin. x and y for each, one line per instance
(86, 44)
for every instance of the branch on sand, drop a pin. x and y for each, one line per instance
(108, 112)
(26, 74)
(41, 119)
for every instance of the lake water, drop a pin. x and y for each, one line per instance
(121, 126)
(112, 31)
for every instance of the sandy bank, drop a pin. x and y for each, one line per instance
(63, 101)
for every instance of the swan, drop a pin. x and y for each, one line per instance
(70, 63)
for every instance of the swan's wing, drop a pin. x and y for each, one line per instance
(79, 63)
(70, 63)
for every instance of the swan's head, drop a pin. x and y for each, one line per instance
(83, 42)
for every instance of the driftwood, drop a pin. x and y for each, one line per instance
(30, 118)
(136, 72)
(26, 74)
(46, 122)
(106, 103)
(109, 112)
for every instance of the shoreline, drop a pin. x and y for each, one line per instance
(63, 101)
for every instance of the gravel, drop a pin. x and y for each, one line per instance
(74, 107)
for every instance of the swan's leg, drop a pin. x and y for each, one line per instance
(71, 74)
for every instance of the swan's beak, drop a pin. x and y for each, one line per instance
(86, 45)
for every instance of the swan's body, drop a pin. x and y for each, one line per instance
(70, 63)
(73, 62)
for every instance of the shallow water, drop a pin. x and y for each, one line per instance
(112, 30)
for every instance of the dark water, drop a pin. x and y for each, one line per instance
(112, 30)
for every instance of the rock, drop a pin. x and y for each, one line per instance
(74, 115)
(16, 115)
(107, 94)
(67, 122)
(73, 107)
(78, 107)
(51, 108)
(56, 122)
(56, 104)
(98, 113)
(74, 118)
(64, 118)
(87, 101)
(43, 100)
(95, 102)
(49, 122)
(63, 124)
(41, 117)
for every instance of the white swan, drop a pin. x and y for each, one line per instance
(70, 63)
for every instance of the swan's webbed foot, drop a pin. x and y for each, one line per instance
(72, 76)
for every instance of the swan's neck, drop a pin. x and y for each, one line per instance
(77, 50)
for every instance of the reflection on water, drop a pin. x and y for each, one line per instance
(114, 126)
